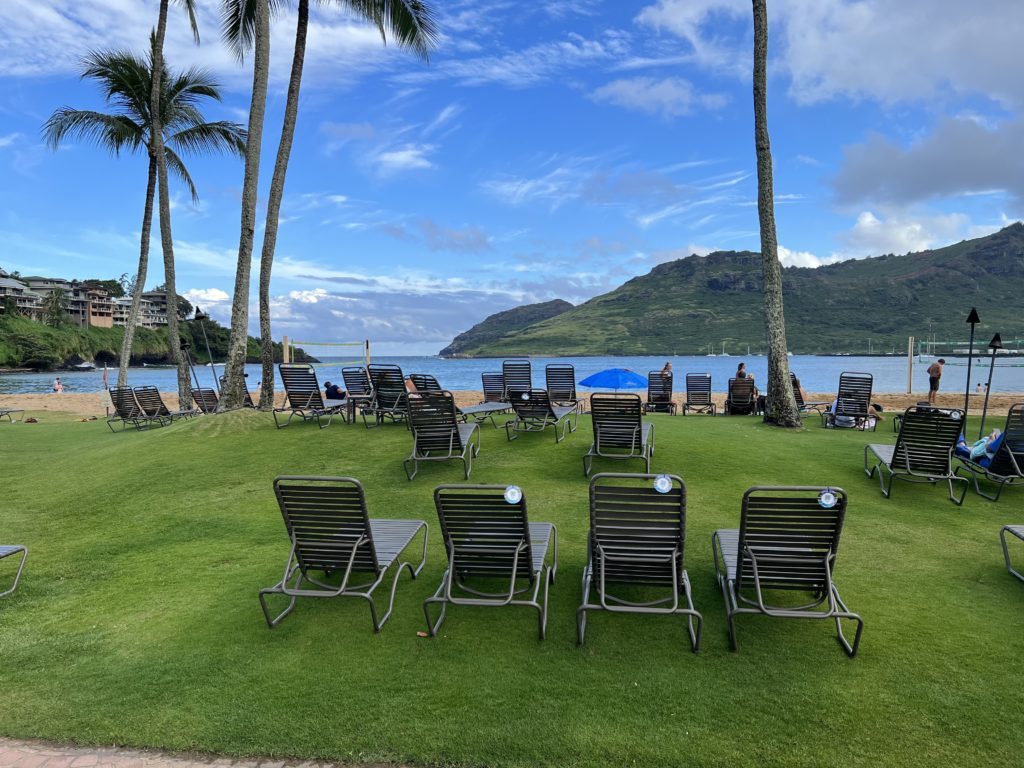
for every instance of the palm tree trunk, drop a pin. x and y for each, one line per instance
(156, 148)
(284, 149)
(232, 395)
(140, 280)
(781, 403)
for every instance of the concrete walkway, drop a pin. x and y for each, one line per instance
(33, 754)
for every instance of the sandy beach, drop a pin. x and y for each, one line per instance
(97, 403)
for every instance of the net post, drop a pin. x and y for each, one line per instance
(910, 364)
(285, 351)
(366, 350)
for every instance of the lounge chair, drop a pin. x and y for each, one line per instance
(741, 400)
(1006, 467)
(637, 539)
(659, 393)
(535, 413)
(8, 550)
(852, 401)
(923, 452)
(152, 404)
(331, 531)
(805, 409)
(494, 388)
(303, 397)
(487, 536)
(437, 434)
(358, 389)
(390, 397)
(787, 541)
(247, 395)
(128, 411)
(424, 382)
(698, 394)
(7, 413)
(560, 381)
(1013, 530)
(206, 399)
(620, 431)
(517, 375)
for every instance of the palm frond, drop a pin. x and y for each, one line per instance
(190, 8)
(124, 78)
(238, 22)
(221, 136)
(411, 23)
(112, 132)
(177, 167)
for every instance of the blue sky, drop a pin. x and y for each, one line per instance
(547, 150)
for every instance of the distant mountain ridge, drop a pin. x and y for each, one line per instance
(498, 325)
(694, 305)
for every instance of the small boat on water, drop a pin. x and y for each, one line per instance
(85, 366)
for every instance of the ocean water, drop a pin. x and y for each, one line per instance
(816, 373)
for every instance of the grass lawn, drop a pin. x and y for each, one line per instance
(137, 621)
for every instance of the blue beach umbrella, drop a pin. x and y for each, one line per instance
(615, 378)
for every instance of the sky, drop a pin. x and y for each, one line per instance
(546, 150)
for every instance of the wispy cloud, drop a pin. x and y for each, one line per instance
(668, 97)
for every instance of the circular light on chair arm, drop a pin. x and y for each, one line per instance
(513, 494)
(524, 396)
(827, 499)
(663, 483)
(954, 415)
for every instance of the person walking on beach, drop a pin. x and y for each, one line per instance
(934, 374)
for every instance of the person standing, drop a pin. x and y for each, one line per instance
(934, 374)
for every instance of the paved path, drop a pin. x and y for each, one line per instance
(34, 754)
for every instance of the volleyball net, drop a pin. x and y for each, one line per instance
(955, 353)
(341, 353)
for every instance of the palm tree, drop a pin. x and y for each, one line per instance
(156, 152)
(411, 24)
(246, 23)
(126, 82)
(782, 408)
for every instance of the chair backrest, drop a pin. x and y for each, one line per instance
(245, 390)
(357, 380)
(926, 439)
(617, 420)
(433, 420)
(424, 382)
(1009, 459)
(123, 400)
(741, 392)
(532, 404)
(560, 379)
(698, 388)
(494, 387)
(518, 376)
(150, 402)
(854, 396)
(206, 399)
(484, 529)
(791, 533)
(388, 385)
(796, 391)
(659, 386)
(301, 388)
(325, 518)
(638, 527)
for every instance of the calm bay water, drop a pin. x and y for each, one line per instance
(817, 374)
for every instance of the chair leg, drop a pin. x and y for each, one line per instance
(17, 575)
(1006, 553)
(432, 626)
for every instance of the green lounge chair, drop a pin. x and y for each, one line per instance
(560, 381)
(206, 399)
(659, 393)
(488, 538)
(437, 434)
(852, 402)
(7, 413)
(535, 413)
(698, 394)
(390, 397)
(787, 542)
(517, 375)
(638, 539)
(152, 404)
(1006, 468)
(128, 411)
(1013, 530)
(620, 431)
(923, 452)
(331, 532)
(304, 399)
(741, 400)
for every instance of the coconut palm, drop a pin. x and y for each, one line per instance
(781, 403)
(411, 24)
(125, 79)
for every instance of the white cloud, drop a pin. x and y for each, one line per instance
(204, 296)
(790, 258)
(901, 233)
(10, 138)
(409, 157)
(669, 97)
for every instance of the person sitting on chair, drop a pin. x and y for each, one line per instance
(333, 391)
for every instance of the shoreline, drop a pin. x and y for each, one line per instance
(88, 404)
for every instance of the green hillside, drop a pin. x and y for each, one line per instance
(683, 306)
(497, 325)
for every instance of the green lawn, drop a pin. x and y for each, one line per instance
(137, 622)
